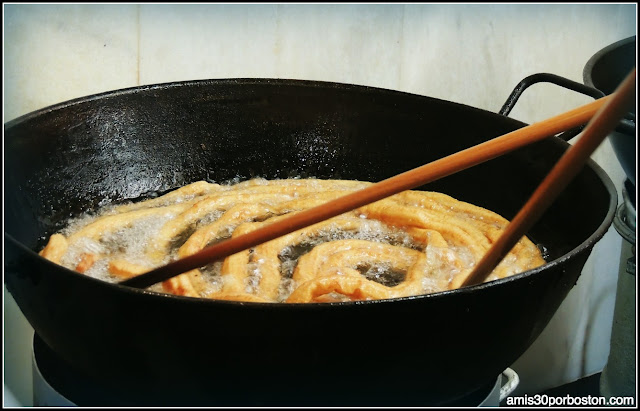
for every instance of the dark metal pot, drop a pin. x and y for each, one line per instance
(604, 71)
(147, 348)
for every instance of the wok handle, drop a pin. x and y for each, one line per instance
(555, 79)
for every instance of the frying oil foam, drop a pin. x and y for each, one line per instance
(133, 241)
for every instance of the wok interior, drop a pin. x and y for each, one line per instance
(134, 144)
(123, 145)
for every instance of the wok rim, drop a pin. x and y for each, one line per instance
(245, 81)
(587, 244)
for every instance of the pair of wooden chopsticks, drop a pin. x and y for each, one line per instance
(604, 113)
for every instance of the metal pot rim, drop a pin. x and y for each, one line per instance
(626, 126)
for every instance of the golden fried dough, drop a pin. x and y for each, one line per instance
(412, 243)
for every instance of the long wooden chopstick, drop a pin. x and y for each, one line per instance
(408, 180)
(567, 167)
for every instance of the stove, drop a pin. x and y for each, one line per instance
(619, 375)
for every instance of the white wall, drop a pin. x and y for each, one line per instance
(473, 54)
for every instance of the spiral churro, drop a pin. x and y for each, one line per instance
(412, 243)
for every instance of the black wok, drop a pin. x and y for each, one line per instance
(152, 349)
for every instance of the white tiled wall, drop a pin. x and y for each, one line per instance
(473, 54)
